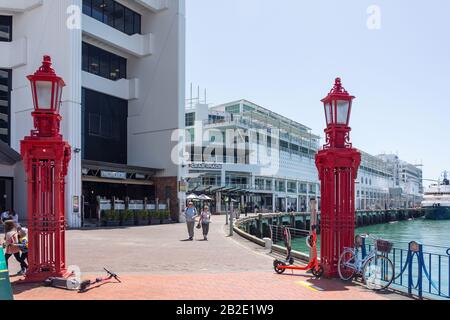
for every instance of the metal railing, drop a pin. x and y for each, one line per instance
(421, 273)
(425, 274)
(276, 234)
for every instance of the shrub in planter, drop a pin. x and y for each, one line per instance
(164, 216)
(127, 218)
(110, 218)
(155, 217)
(142, 217)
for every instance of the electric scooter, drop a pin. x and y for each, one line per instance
(87, 284)
(74, 284)
(314, 266)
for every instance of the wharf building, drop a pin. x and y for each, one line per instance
(124, 65)
(259, 159)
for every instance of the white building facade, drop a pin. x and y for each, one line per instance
(270, 163)
(265, 161)
(123, 62)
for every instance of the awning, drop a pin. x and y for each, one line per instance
(113, 173)
(8, 156)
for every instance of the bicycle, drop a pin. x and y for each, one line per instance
(376, 269)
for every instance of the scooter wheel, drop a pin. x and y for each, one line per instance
(318, 272)
(277, 264)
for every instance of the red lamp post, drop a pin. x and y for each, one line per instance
(338, 164)
(46, 158)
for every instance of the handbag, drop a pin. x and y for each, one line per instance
(199, 226)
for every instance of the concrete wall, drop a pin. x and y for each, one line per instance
(45, 30)
(160, 108)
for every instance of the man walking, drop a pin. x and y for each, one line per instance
(190, 213)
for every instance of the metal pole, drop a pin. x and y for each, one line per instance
(231, 219)
(226, 213)
(313, 222)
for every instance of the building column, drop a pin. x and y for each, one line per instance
(273, 203)
(219, 202)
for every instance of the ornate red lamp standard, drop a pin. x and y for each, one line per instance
(338, 164)
(46, 158)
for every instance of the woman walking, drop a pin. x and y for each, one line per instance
(205, 220)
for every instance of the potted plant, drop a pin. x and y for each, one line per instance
(110, 218)
(142, 218)
(127, 218)
(165, 217)
(155, 217)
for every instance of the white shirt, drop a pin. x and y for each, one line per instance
(5, 215)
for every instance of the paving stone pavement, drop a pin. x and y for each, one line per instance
(156, 264)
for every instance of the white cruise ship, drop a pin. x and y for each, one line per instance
(437, 200)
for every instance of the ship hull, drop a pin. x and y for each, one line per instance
(437, 213)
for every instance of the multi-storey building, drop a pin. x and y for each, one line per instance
(252, 154)
(123, 63)
(243, 151)
(407, 185)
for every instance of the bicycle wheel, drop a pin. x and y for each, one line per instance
(378, 273)
(347, 265)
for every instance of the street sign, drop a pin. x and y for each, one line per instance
(5, 285)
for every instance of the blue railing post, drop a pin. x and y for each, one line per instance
(363, 248)
(419, 271)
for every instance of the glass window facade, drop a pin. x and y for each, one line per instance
(234, 109)
(113, 14)
(103, 63)
(190, 119)
(104, 129)
(5, 28)
(5, 105)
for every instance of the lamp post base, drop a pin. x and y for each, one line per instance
(42, 276)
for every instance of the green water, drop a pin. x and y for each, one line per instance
(434, 235)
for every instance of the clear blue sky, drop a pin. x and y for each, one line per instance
(284, 55)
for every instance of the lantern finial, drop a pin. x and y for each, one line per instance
(47, 65)
(338, 88)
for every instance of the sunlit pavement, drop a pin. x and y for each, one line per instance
(154, 263)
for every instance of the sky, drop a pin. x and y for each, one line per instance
(284, 55)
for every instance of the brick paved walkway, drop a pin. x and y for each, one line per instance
(154, 263)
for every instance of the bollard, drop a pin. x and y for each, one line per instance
(260, 225)
(268, 244)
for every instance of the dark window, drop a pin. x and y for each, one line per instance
(137, 23)
(103, 63)
(113, 14)
(87, 7)
(108, 13)
(129, 23)
(5, 107)
(97, 9)
(94, 124)
(85, 49)
(119, 17)
(5, 28)
(190, 119)
(93, 60)
(114, 72)
(104, 129)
